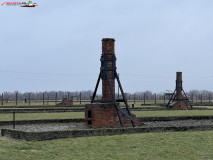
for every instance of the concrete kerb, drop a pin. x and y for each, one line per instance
(6, 111)
(77, 120)
(55, 110)
(48, 135)
(41, 136)
(143, 119)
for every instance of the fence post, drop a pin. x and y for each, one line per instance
(144, 98)
(201, 98)
(209, 98)
(164, 98)
(192, 98)
(16, 98)
(2, 99)
(155, 98)
(43, 99)
(80, 97)
(56, 97)
(134, 98)
(48, 98)
(14, 122)
(29, 99)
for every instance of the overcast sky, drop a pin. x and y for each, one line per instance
(57, 45)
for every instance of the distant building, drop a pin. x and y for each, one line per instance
(65, 102)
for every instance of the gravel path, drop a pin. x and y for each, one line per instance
(71, 126)
(179, 123)
(47, 127)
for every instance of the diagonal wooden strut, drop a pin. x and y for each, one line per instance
(124, 98)
(96, 87)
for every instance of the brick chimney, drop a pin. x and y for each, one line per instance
(179, 99)
(108, 50)
(106, 113)
(178, 85)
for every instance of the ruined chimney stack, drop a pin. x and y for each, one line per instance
(179, 99)
(178, 85)
(107, 112)
(108, 50)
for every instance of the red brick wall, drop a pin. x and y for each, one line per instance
(105, 115)
(180, 105)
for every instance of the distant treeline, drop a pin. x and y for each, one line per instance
(86, 95)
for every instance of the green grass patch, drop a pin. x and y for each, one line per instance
(166, 113)
(35, 108)
(71, 115)
(162, 146)
(37, 116)
(40, 103)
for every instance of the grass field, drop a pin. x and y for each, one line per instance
(39, 103)
(37, 116)
(130, 102)
(149, 146)
(165, 113)
(163, 146)
(71, 115)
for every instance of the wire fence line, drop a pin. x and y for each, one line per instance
(52, 98)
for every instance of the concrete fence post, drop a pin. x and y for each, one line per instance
(80, 97)
(29, 99)
(192, 98)
(56, 98)
(144, 98)
(48, 98)
(43, 99)
(16, 98)
(2, 99)
(164, 99)
(134, 98)
(209, 98)
(14, 122)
